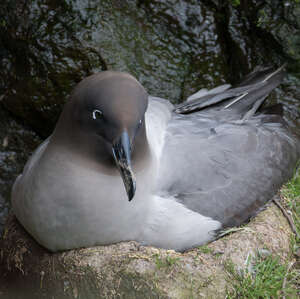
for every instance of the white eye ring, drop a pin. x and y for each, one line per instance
(97, 114)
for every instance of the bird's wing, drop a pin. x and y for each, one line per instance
(254, 89)
(227, 169)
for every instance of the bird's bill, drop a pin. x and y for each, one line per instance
(121, 152)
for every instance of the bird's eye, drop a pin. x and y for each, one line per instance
(97, 114)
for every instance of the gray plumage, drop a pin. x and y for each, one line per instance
(190, 170)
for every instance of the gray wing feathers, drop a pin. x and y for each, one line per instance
(241, 98)
(226, 171)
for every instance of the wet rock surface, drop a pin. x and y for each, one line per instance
(166, 46)
(41, 59)
(281, 19)
(172, 47)
(16, 144)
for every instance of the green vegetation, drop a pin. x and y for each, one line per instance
(205, 249)
(292, 188)
(291, 198)
(268, 277)
(235, 2)
(263, 278)
(164, 262)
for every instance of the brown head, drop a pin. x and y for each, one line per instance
(105, 119)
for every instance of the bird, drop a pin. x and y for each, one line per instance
(122, 165)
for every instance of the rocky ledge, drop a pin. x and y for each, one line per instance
(128, 270)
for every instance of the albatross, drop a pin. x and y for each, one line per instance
(122, 165)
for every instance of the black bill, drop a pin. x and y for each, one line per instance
(121, 152)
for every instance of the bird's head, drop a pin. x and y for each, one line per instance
(109, 110)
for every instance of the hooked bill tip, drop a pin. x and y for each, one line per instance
(131, 191)
(129, 182)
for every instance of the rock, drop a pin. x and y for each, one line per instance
(41, 59)
(57, 43)
(16, 144)
(173, 47)
(128, 270)
(281, 19)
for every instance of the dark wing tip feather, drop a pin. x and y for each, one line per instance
(255, 87)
